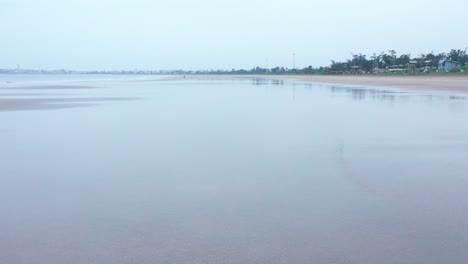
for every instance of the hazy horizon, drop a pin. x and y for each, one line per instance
(209, 34)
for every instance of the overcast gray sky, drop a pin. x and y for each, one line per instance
(212, 34)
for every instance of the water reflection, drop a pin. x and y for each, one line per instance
(267, 81)
(381, 94)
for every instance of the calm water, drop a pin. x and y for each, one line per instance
(149, 170)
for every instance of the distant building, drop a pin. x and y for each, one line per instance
(355, 69)
(396, 68)
(447, 65)
(412, 67)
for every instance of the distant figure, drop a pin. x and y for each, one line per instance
(184, 76)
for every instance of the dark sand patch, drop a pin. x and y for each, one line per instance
(50, 87)
(30, 94)
(19, 104)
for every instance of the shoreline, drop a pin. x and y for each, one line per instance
(437, 83)
(451, 83)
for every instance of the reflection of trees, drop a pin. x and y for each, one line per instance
(361, 94)
(264, 81)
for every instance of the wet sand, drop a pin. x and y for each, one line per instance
(448, 83)
(230, 171)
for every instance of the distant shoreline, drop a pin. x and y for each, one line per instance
(423, 82)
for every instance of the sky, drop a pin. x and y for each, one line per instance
(214, 34)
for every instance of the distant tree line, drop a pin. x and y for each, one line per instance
(360, 63)
(390, 59)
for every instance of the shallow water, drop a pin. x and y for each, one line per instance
(154, 170)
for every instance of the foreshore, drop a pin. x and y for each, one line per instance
(442, 83)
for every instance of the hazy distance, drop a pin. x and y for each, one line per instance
(210, 34)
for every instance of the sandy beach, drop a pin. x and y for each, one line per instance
(446, 83)
(458, 83)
